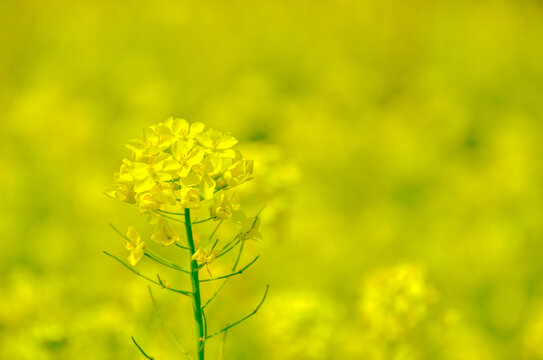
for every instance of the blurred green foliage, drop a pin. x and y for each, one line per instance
(388, 132)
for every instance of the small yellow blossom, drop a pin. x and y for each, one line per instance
(218, 142)
(204, 256)
(158, 195)
(238, 173)
(165, 233)
(124, 191)
(190, 198)
(145, 175)
(249, 227)
(152, 144)
(186, 156)
(207, 187)
(222, 208)
(146, 202)
(134, 245)
(181, 129)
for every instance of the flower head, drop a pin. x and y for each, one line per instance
(177, 163)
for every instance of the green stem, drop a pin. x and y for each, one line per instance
(141, 350)
(197, 301)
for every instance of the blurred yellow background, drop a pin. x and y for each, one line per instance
(398, 148)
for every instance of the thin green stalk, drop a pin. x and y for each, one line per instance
(224, 252)
(168, 331)
(162, 261)
(141, 350)
(214, 231)
(170, 212)
(225, 281)
(243, 318)
(169, 217)
(239, 256)
(232, 274)
(152, 255)
(197, 301)
(214, 294)
(181, 246)
(187, 293)
(202, 221)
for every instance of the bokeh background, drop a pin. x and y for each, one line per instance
(398, 148)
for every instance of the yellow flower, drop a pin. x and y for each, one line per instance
(207, 187)
(249, 227)
(190, 198)
(239, 172)
(158, 195)
(134, 245)
(124, 186)
(153, 143)
(146, 202)
(165, 234)
(186, 156)
(222, 208)
(145, 175)
(204, 256)
(182, 131)
(218, 142)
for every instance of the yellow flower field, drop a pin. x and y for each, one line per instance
(381, 159)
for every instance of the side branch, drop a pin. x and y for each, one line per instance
(152, 255)
(214, 294)
(168, 217)
(187, 293)
(202, 221)
(224, 251)
(164, 262)
(244, 318)
(141, 350)
(234, 273)
(182, 246)
(170, 334)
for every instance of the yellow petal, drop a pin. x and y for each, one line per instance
(196, 128)
(135, 256)
(226, 141)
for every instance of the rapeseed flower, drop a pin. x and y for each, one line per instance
(173, 169)
(203, 256)
(223, 208)
(134, 245)
(165, 233)
(183, 131)
(177, 162)
(249, 227)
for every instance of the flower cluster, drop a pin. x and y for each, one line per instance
(179, 163)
